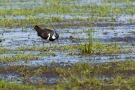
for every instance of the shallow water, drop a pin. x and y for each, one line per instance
(106, 35)
(17, 38)
(15, 4)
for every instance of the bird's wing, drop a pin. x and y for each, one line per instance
(48, 29)
(44, 35)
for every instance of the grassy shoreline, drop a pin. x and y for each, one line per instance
(115, 75)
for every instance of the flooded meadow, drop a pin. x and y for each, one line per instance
(95, 49)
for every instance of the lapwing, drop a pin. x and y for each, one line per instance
(46, 33)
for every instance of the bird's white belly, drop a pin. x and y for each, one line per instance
(48, 36)
(53, 37)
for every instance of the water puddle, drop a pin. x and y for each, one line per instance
(11, 78)
(15, 4)
(120, 34)
(15, 78)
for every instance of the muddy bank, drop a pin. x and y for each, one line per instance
(44, 75)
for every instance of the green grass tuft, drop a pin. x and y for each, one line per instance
(7, 86)
(92, 47)
(87, 48)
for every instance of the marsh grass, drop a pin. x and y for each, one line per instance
(18, 57)
(4, 85)
(87, 48)
(46, 54)
(18, 53)
(118, 1)
(3, 50)
(77, 76)
(80, 75)
(47, 48)
(90, 47)
(97, 13)
(111, 48)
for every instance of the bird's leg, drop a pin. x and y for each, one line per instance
(43, 42)
(50, 44)
(58, 41)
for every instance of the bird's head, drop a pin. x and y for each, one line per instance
(56, 35)
(36, 27)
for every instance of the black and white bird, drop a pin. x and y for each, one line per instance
(46, 33)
